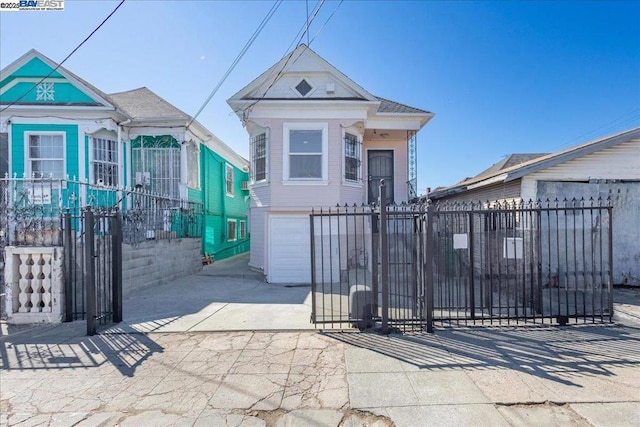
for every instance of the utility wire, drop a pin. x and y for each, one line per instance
(65, 59)
(288, 57)
(325, 22)
(627, 118)
(235, 62)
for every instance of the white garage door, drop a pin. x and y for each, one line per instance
(289, 249)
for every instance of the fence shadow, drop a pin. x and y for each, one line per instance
(63, 347)
(548, 353)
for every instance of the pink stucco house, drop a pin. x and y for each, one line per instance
(318, 139)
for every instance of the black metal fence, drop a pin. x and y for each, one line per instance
(462, 264)
(93, 267)
(91, 222)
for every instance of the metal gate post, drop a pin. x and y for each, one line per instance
(116, 266)
(610, 248)
(428, 292)
(385, 257)
(472, 285)
(68, 285)
(313, 266)
(89, 260)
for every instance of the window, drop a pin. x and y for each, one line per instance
(303, 87)
(193, 166)
(229, 180)
(259, 158)
(46, 156)
(231, 230)
(305, 148)
(105, 162)
(243, 229)
(159, 159)
(351, 158)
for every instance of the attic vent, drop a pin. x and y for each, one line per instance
(303, 87)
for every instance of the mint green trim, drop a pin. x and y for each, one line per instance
(63, 93)
(18, 145)
(87, 156)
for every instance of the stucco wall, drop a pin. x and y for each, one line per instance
(153, 262)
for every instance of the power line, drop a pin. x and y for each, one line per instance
(288, 57)
(632, 116)
(325, 22)
(235, 62)
(65, 59)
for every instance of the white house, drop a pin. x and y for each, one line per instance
(318, 139)
(604, 168)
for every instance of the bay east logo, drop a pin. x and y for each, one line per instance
(22, 5)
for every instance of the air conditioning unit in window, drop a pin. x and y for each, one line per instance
(244, 185)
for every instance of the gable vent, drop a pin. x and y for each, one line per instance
(303, 87)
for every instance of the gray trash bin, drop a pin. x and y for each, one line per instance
(361, 306)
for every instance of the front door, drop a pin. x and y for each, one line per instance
(380, 166)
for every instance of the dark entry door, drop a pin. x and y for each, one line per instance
(380, 166)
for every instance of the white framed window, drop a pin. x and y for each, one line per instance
(352, 156)
(259, 157)
(104, 168)
(229, 179)
(45, 155)
(231, 230)
(305, 151)
(243, 229)
(193, 165)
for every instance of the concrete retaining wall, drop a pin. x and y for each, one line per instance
(156, 261)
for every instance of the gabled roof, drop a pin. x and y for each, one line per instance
(146, 107)
(270, 76)
(142, 104)
(79, 82)
(258, 88)
(508, 172)
(507, 162)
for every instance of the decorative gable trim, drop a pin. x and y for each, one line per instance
(61, 75)
(268, 78)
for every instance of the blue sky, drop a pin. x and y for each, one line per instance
(501, 77)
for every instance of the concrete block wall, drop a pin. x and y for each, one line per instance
(157, 261)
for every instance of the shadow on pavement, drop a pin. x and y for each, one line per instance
(549, 353)
(63, 347)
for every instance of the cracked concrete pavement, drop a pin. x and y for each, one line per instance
(176, 360)
(577, 375)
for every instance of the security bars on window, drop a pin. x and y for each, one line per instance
(352, 162)
(105, 162)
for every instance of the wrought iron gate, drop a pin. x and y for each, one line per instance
(93, 267)
(462, 264)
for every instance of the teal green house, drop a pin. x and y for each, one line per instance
(55, 124)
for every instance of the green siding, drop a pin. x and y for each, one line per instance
(18, 146)
(32, 69)
(218, 207)
(64, 93)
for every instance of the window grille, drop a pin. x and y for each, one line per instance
(352, 150)
(160, 157)
(105, 162)
(259, 158)
(193, 166)
(231, 230)
(243, 229)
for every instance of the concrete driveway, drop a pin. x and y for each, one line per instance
(224, 296)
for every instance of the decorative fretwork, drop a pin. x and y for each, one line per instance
(412, 147)
(45, 91)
